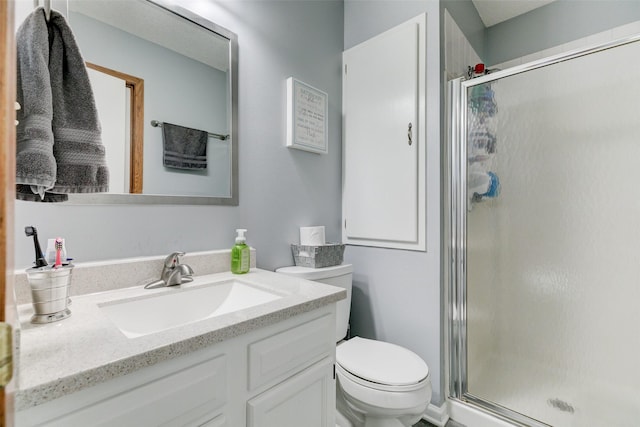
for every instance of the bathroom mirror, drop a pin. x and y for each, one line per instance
(188, 66)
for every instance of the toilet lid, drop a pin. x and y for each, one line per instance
(381, 362)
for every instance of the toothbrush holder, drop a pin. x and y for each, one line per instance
(50, 292)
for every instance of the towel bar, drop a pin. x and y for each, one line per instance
(157, 124)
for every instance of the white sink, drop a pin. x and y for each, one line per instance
(176, 306)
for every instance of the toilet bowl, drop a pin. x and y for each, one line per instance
(379, 384)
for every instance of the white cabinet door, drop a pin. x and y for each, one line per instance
(383, 169)
(171, 394)
(306, 399)
(279, 356)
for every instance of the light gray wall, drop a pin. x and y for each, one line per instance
(556, 23)
(396, 295)
(280, 189)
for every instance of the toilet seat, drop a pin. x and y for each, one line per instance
(380, 365)
(377, 386)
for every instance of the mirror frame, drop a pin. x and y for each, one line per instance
(161, 199)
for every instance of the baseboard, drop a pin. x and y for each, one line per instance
(437, 415)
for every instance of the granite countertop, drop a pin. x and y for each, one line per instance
(86, 349)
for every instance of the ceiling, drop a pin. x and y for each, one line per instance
(159, 26)
(495, 11)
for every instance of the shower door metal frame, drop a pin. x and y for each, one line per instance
(456, 226)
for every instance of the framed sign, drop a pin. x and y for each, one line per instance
(307, 111)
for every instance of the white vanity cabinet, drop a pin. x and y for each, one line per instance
(278, 375)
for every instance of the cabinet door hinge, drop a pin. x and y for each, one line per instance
(6, 353)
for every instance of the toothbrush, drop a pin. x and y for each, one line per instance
(31, 231)
(58, 246)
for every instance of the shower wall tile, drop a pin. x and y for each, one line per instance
(600, 38)
(553, 51)
(509, 64)
(532, 57)
(459, 54)
(576, 44)
(626, 30)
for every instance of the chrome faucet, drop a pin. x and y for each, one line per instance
(173, 273)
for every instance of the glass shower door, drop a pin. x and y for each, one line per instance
(548, 260)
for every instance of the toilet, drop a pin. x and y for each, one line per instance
(379, 384)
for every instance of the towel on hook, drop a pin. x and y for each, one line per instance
(73, 127)
(35, 162)
(78, 149)
(184, 148)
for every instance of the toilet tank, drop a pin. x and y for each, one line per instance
(340, 276)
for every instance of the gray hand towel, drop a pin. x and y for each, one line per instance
(78, 148)
(184, 148)
(35, 162)
(59, 146)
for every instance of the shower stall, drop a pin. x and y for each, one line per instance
(544, 240)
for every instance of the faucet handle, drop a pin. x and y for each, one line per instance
(173, 260)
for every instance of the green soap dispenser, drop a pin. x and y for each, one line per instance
(240, 254)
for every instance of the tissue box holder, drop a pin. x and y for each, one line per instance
(318, 256)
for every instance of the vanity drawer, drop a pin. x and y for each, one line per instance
(279, 356)
(185, 396)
